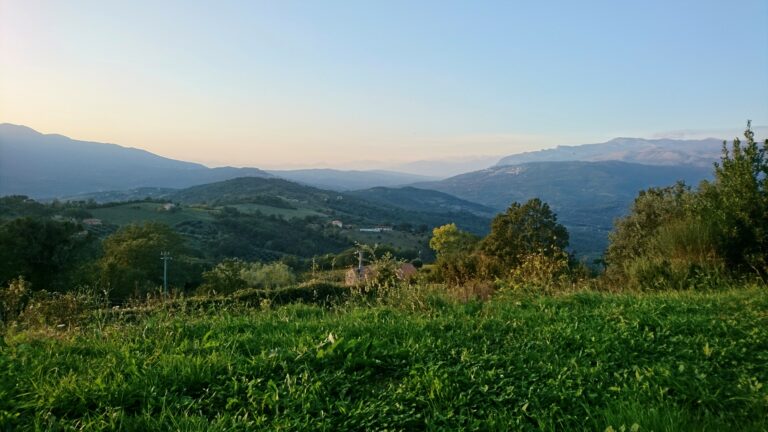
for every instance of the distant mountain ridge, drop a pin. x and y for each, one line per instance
(666, 152)
(47, 166)
(345, 180)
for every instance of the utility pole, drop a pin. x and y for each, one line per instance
(165, 256)
(360, 263)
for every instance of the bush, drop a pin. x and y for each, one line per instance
(543, 270)
(233, 275)
(317, 292)
(13, 299)
(53, 308)
(224, 278)
(654, 273)
(268, 276)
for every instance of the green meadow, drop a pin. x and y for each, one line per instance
(415, 361)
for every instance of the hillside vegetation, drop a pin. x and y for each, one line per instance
(587, 196)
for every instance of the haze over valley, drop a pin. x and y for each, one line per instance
(287, 215)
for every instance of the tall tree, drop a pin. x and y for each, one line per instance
(43, 251)
(523, 230)
(737, 202)
(131, 262)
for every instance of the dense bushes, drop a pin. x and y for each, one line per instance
(50, 254)
(526, 246)
(232, 275)
(314, 292)
(675, 237)
(131, 264)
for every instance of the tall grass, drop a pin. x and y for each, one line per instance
(579, 361)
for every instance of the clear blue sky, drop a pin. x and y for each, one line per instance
(281, 82)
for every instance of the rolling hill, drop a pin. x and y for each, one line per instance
(415, 199)
(357, 208)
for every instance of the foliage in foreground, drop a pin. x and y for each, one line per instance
(677, 238)
(583, 361)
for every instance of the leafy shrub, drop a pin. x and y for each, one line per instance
(224, 278)
(316, 292)
(656, 273)
(677, 238)
(540, 269)
(13, 299)
(267, 276)
(233, 274)
(54, 308)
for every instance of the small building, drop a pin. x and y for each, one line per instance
(92, 221)
(169, 206)
(337, 223)
(357, 275)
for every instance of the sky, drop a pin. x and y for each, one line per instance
(357, 83)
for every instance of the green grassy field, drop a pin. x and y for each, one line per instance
(125, 214)
(583, 361)
(269, 210)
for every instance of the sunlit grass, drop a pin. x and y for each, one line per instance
(582, 361)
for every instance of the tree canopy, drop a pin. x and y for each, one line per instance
(523, 230)
(131, 263)
(45, 252)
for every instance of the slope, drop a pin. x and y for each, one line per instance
(587, 196)
(48, 166)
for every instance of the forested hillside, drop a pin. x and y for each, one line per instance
(587, 196)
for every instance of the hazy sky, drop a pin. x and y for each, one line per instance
(319, 82)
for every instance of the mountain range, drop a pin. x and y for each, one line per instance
(48, 166)
(54, 166)
(588, 186)
(344, 180)
(634, 150)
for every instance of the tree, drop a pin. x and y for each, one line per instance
(457, 261)
(131, 262)
(524, 230)
(46, 253)
(449, 240)
(678, 238)
(737, 203)
(653, 208)
(226, 277)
